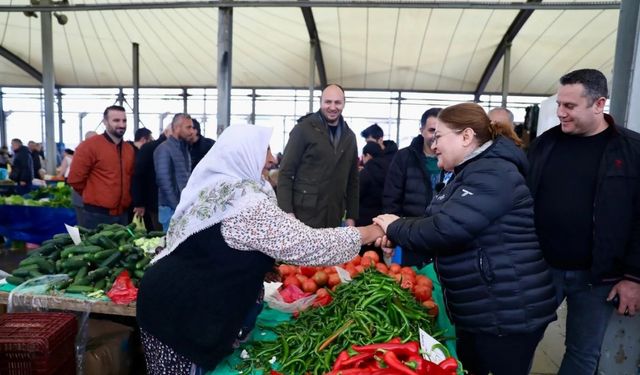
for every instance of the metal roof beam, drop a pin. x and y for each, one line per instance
(315, 40)
(507, 39)
(16, 60)
(314, 4)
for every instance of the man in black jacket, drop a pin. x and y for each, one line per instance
(35, 157)
(584, 179)
(200, 145)
(412, 178)
(22, 167)
(374, 133)
(372, 178)
(144, 189)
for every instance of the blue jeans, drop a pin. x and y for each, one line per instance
(164, 216)
(588, 314)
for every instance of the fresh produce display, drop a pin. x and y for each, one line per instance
(393, 357)
(93, 264)
(370, 309)
(58, 195)
(319, 279)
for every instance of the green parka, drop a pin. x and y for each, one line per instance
(317, 181)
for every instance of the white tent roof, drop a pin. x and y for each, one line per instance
(435, 50)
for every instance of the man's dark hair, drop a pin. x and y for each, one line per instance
(431, 112)
(68, 151)
(196, 126)
(141, 133)
(374, 131)
(112, 108)
(373, 149)
(594, 82)
(16, 140)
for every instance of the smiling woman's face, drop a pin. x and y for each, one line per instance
(451, 145)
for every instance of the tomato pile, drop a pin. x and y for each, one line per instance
(319, 279)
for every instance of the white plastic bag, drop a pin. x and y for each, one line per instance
(273, 298)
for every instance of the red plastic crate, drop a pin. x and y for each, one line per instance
(37, 344)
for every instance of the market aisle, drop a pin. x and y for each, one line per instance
(9, 259)
(551, 349)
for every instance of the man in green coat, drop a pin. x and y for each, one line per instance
(318, 179)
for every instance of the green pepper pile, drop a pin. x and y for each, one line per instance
(91, 265)
(372, 308)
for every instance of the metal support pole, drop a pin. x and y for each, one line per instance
(252, 119)
(81, 117)
(120, 98)
(225, 43)
(60, 119)
(3, 122)
(312, 73)
(400, 98)
(506, 71)
(185, 96)
(48, 85)
(204, 113)
(627, 46)
(136, 86)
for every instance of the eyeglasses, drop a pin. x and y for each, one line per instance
(438, 135)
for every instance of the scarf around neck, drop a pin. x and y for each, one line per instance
(227, 181)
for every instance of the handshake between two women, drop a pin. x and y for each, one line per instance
(376, 233)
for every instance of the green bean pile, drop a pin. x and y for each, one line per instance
(372, 308)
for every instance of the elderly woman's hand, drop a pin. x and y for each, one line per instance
(370, 233)
(384, 220)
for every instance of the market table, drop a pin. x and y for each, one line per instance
(70, 302)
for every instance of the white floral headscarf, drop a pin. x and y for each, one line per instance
(226, 181)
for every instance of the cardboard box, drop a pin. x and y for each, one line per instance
(107, 351)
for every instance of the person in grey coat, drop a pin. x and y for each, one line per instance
(318, 179)
(172, 163)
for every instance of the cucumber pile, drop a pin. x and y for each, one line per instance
(91, 265)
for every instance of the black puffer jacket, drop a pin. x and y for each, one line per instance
(481, 230)
(390, 150)
(371, 184)
(407, 189)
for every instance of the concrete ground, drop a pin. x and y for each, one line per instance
(551, 348)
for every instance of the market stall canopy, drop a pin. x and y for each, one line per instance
(379, 48)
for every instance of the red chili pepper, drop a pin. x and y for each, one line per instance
(357, 359)
(393, 362)
(423, 367)
(395, 340)
(344, 355)
(409, 348)
(449, 364)
(274, 372)
(384, 371)
(351, 371)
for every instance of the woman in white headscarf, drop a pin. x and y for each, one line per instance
(225, 235)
